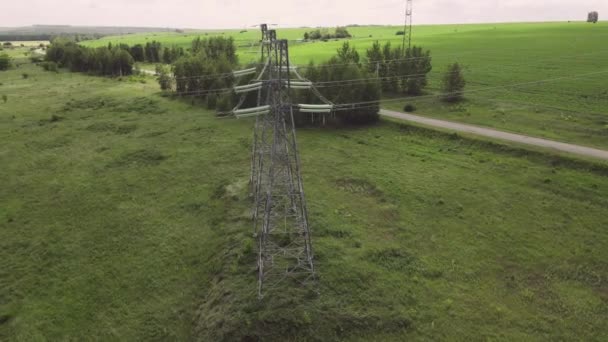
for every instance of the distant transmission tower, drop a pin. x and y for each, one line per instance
(407, 26)
(279, 212)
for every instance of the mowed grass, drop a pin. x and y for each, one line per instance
(124, 216)
(541, 79)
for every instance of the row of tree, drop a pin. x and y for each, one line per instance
(105, 61)
(335, 82)
(324, 34)
(344, 79)
(152, 52)
(399, 72)
(113, 60)
(205, 72)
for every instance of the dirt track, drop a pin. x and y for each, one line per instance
(492, 133)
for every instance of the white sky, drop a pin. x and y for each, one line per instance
(286, 13)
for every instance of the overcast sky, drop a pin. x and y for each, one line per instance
(286, 13)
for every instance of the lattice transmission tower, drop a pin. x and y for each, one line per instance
(279, 210)
(407, 26)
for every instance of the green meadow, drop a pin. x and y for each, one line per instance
(540, 79)
(124, 215)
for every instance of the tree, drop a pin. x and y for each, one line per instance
(306, 36)
(164, 77)
(399, 74)
(416, 65)
(453, 83)
(137, 52)
(348, 54)
(374, 58)
(5, 62)
(101, 61)
(593, 17)
(207, 69)
(167, 57)
(342, 32)
(343, 67)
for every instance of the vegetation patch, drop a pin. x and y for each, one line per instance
(139, 105)
(100, 127)
(393, 259)
(144, 157)
(358, 186)
(53, 119)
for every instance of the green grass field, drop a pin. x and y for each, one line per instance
(124, 216)
(541, 79)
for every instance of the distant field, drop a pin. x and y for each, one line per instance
(19, 54)
(572, 106)
(28, 43)
(124, 216)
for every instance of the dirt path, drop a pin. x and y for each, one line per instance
(492, 133)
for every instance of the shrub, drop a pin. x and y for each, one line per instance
(5, 62)
(453, 83)
(25, 75)
(4, 98)
(409, 108)
(223, 104)
(36, 59)
(400, 33)
(164, 78)
(49, 66)
(211, 101)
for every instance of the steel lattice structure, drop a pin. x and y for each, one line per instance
(279, 211)
(407, 26)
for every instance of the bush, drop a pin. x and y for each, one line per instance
(410, 108)
(25, 75)
(400, 33)
(324, 35)
(164, 78)
(453, 84)
(50, 66)
(36, 59)
(211, 101)
(223, 104)
(5, 62)
(4, 98)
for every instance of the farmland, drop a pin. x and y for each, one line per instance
(540, 79)
(124, 216)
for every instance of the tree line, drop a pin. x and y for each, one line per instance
(153, 52)
(324, 34)
(205, 74)
(344, 66)
(111, 60)
(401, 73)
(106, 61)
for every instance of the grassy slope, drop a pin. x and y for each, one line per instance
(125, 217)
(572, 109)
